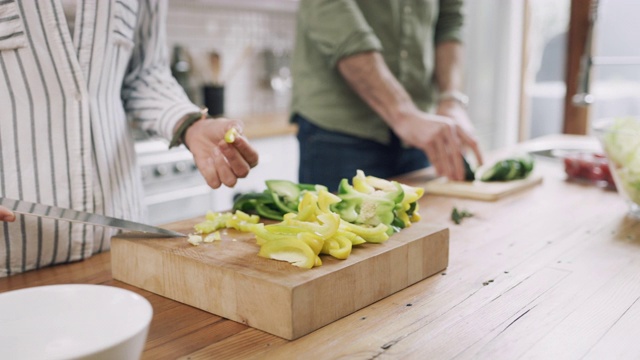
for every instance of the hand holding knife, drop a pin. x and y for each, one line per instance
(10, 207)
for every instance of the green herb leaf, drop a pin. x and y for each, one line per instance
(458, 215)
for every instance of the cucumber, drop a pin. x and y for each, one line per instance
(287, 190)
(468, 172)
(508, 169)
(497, 172)
(514, 170)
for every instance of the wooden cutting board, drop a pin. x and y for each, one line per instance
(479, 190)
(229, 279)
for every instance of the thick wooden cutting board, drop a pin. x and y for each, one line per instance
(479, 190)
(229, 279)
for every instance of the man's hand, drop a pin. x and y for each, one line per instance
(441, 138)
(6, 215)
(444, 137)
(455, 111)
(220, 162)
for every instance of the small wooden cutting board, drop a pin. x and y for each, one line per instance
(479, 190)
(229, 279)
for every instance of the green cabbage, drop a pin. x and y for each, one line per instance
(621, 142)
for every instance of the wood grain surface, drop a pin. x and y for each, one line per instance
(479, 190)
(550, 272)
(229, 279)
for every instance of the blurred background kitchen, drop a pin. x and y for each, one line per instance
(520, 57)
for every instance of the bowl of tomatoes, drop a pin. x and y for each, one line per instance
(591, 168)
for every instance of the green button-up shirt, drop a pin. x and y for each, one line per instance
(405, 32)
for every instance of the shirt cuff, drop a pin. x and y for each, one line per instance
(358, 42)
(172, 116)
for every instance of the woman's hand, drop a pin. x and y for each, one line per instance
(218, 161)
(6, 215)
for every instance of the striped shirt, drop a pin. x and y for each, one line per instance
(67, 105)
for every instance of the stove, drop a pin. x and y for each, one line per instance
(174, 189)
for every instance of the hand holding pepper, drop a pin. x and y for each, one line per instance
(219, 161)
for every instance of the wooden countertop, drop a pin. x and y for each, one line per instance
(267, 125)
(548, 273)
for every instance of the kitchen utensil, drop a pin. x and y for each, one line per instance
(229, 279)
(214, 63)
(73, 321)
(237, 65)
(54, 212)
(213, 97)
(479, 190)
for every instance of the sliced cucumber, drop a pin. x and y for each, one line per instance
(498, 172)
(507, 169)
(514, 170)
(287, 190)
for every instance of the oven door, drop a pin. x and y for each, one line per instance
(174, 189)
(178, 204)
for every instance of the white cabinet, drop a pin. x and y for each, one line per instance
(278, 160)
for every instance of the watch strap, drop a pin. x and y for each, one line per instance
(178, 136)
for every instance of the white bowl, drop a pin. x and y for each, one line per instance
(73, 322)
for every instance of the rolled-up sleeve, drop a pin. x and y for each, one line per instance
(337, 28)
(152, 97)
(450, 21)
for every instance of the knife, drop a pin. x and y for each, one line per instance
(54, 212)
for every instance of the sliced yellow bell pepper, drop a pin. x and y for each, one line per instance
(338, 246)
(353, 237)
(360, 183)
(289, 249)
(314, 242)
(376, 234)
(230, 135)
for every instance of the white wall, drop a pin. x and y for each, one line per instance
(493, 46)
(231, 28)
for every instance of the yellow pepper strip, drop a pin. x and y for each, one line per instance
(411, 193)
(212, 237)
(326, 199)
(326, 227)
(314, 242)
(215, 221)
(230, 135)
(296, 252)
(416, 216)
(376, 234)
(354, 238)
(360, 183)
(240, 219)
(338, 246)
(307, 208)
(401, 213)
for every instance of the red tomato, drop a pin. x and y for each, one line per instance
(588, 167)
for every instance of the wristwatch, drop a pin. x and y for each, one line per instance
(454, 95)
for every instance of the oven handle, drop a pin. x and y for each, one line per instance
(177, 195)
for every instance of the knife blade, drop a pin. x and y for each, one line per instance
(54, 212)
